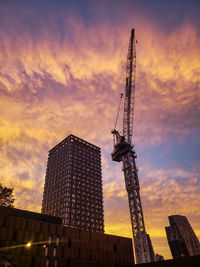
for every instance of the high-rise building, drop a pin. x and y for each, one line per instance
(181, 237)
(73, 184)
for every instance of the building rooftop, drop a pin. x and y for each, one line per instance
(30, 215)
(71, 136)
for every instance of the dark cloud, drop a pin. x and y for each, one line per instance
(24, 175)
(173, 110)
(40, 16)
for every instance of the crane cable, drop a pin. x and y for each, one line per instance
(121, 95)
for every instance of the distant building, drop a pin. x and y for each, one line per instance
(159, 257)
(29, 239)
(154, 257)
(181, 237)
(73, 184)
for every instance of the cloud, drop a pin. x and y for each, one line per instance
(167, 98)
(167, 67)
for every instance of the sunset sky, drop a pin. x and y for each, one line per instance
(62, 69)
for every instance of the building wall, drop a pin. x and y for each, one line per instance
(55, 245)
(176, 243)
(73, 184)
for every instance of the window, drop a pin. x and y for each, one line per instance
(14, 235)
(115, 248)
(54, 252)
(49, 242)
(67, 221)
(69, 242)
(46, 252)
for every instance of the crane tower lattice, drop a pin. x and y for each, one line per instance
(124, 151)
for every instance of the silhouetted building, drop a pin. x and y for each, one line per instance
(181, 237)
(189, 261)
(158, 257)
(73, 184)
(29, 239)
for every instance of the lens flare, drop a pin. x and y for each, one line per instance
(28, 244)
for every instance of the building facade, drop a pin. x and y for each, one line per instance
(29, 239)
(181, 237)
(73, 184)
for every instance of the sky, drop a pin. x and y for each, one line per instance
(62, 69)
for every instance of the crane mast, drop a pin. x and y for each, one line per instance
(124, 151)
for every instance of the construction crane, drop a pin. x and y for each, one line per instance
(124, 151)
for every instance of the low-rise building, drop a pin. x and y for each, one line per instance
(29, 239)
(158, 257)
